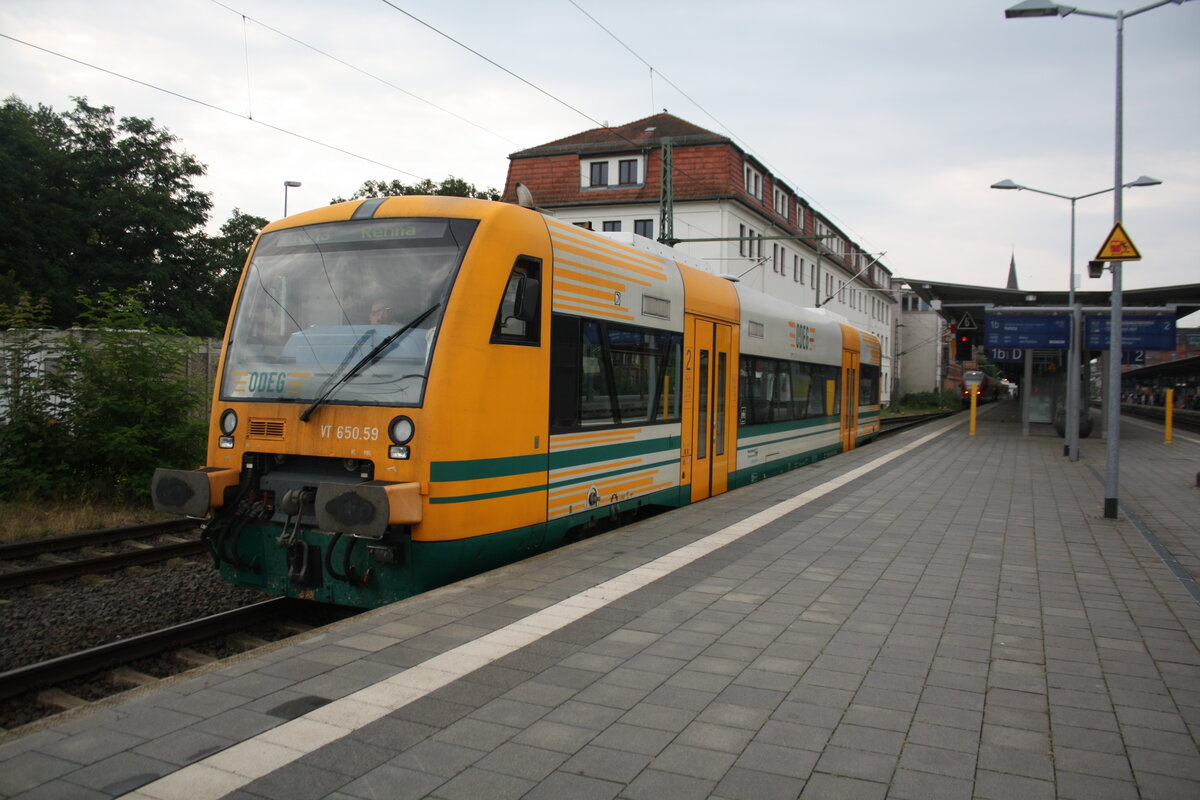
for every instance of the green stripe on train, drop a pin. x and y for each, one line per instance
(778, 466)
(540, 487)
(508, 466)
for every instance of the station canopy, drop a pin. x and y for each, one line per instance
(956, 302)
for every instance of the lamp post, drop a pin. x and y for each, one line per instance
(289, 185)
(1112, 385)
(1071, 448)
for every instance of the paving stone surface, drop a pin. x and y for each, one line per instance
(958, 622)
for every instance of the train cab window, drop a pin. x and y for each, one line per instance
(519, 316)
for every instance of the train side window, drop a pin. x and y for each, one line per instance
(596, 406)
(519, 316)
(565, 363)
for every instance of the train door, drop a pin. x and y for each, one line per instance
(849, 422)
(710, 375)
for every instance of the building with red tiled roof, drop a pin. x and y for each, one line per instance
(728, 211)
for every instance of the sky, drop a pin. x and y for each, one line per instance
(892, 119)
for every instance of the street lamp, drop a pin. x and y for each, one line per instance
(1071, 448)
(289, 185)
(1112, 386)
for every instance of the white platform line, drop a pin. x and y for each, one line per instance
(242, 763)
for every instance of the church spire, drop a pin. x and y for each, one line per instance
(1012, 273)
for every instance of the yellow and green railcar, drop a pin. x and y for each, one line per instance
(416, 389)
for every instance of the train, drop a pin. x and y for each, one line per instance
(413, 390)
(987, 391)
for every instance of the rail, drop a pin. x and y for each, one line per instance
(96, 659)
(90, 566)
(28, 548)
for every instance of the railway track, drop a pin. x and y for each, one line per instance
(86, 662)
(897, 424)
(13, 577)
(38, 690)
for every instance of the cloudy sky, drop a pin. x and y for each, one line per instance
(892, 118)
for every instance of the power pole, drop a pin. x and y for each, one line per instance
(666, 197)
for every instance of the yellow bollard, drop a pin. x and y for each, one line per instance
(1170, 414)
(974, 394)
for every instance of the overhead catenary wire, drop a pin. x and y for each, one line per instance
(745, 145)
(246, 20)
(361, 71)
(212, 106)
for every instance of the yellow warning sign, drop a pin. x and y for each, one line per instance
(1118, 247)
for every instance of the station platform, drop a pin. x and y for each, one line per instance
(934, 615)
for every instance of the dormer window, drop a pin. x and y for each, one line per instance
(627, 171)
(597, 173)
(754, 183)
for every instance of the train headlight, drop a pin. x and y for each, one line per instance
(401, 430)
(398, 452)
(228, 425)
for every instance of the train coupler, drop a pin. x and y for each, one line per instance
(304, 564)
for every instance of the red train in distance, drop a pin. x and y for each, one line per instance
(989, 388)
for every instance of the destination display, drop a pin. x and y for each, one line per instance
(1025, 331)
(1137, 332)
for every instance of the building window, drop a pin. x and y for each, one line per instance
(644, 227)
(775, 257)
(741, 240)
(754, 186)
(612, 226)
(586, 225)
(781, 202)
(599, 171)
(798, 269)
(627, 171)
(800, 217)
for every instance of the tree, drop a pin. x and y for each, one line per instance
(91, 203)
(451, 187)
(225, 258)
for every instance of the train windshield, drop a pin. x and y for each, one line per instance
(316, 300)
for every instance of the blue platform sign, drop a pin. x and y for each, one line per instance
(1027, 331)
(1008, 355)
(1137, 332)
(1135, 357)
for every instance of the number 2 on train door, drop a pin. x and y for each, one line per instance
(710, 408)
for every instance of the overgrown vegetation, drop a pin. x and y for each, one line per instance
(29, 519)
(89, 414)
(923, 402)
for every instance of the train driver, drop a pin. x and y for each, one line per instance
(381, 313)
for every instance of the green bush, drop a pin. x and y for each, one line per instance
(916, 402)
(94, 412)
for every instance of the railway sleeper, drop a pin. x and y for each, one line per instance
(193, 658)
(59, 700)
(245, 641)
(124, 676)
